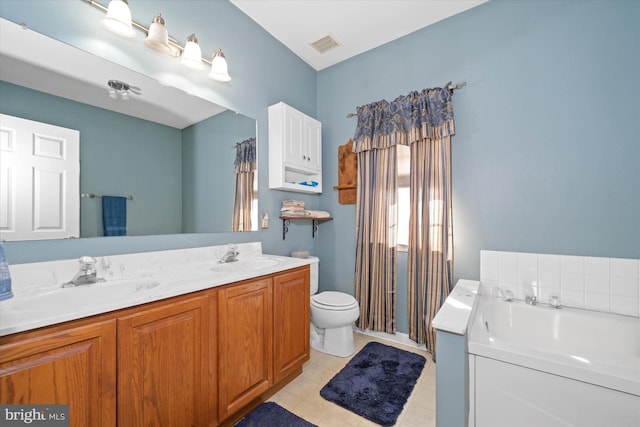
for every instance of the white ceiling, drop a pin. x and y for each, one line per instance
(358, 25)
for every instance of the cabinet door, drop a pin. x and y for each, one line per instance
(313, 147)
(74, 366)
(163, 374)
(291, 321)
(245, 344)
(294, 139)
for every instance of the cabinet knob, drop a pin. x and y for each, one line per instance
(304, 157)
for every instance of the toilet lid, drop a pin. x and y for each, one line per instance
(334, 299)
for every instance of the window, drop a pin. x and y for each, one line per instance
(404, 204)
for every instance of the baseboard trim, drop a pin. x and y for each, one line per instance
(398, 337)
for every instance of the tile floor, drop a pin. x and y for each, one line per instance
(302, 395)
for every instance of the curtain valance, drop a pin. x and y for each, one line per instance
(245, 156)
(427, 114)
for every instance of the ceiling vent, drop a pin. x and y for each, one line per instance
(325, 43)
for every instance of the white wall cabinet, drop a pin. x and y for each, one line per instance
(295, 150)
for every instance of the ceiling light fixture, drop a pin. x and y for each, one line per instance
(118, 20)
(117, 87)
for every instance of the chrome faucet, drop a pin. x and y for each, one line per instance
(231, 255)
(530, 299)
(554, 301)
(507, 295)
(87, 274)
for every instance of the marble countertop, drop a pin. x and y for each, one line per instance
(36, 305)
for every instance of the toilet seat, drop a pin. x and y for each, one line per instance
(331, 300)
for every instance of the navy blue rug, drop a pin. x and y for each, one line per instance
(270, 414)
(376, 383)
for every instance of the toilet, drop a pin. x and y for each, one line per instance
(332, 317)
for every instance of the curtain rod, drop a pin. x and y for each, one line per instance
(449, 86)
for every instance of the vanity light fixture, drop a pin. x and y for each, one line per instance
(118, 18)
(158, 36)
(219, 67)
(192, 55)
(119, 21)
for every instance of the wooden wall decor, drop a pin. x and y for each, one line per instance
(347, 174)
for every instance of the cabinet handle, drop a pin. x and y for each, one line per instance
(304, 157)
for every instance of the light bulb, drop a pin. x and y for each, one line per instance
(219, 67)
(118, 19)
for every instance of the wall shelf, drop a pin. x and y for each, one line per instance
(286, 220)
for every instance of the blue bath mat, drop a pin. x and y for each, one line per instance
(376, 383)
(270, 414)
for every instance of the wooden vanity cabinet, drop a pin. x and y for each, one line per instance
(163, 365)
(290, 322)
(71, 364)
(201, 359)
(245, 343)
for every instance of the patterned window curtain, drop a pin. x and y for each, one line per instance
(430, 236)
(424, 121)
(376, 248)
(244, 167)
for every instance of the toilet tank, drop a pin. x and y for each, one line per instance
(313, 282)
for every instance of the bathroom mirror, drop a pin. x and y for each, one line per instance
(172, 152)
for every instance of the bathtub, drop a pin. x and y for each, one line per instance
(541, 366)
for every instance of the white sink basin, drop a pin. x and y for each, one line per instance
(83, 295)
(247, 264)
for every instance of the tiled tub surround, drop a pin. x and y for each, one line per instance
(593, 283)
(131, 279)
(536, 365)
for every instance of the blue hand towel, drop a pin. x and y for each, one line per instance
(114, 215)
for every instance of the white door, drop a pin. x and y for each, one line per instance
(39, 180)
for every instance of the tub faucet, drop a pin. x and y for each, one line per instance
(554, 301)
(507, 295)
(231, 255)
(530, 299)
(87, 274)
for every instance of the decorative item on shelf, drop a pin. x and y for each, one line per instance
(118, 20)
(347, 174)
(293, 210)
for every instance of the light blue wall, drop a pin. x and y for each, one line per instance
(263, 70)
(208, 150)
(546, 157)
(115, 152)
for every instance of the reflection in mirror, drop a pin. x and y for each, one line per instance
(177, 163)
